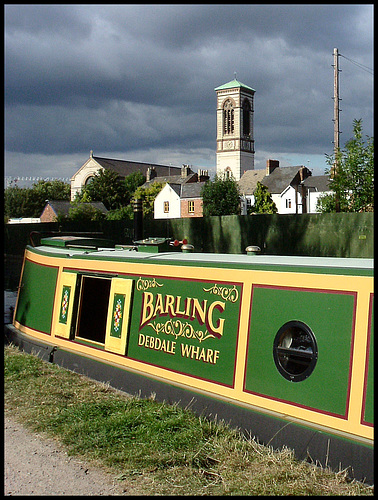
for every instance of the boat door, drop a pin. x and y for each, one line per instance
(117, 326)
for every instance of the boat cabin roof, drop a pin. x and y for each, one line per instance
(92, 250)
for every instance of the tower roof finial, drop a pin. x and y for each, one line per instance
(235, 74)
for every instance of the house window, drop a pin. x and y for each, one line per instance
(191, 207)
(288, 203)
(228, 117)
(166, 207)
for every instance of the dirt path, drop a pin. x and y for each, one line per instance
(36, 465)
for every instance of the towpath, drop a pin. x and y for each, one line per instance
(36, 465)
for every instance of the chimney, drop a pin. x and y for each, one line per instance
(151, 173)
(271, 165)
(304, 172)
(203, 175)
(184, 171)
(301, 174)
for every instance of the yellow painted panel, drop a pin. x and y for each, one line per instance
(66, 294)
(117, 325)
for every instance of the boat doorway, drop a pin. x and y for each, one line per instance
(93, 309)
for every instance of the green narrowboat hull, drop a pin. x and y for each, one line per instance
(279, 346)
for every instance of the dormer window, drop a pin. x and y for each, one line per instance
(228, 117)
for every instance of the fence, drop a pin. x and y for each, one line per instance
(318, 235)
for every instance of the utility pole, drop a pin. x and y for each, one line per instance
(336, 113)
(336, 110)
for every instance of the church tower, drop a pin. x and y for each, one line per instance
(235, 141)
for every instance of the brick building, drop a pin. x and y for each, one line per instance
(60, 207)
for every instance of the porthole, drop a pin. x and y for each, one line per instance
(295, 351)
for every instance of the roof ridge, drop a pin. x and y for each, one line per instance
(233, 84)
(136, 162)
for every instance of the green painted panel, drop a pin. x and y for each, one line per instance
(66, 295)
(187, 326)
(369, 400)
(36, 296)
(117, 315)
(330, 317)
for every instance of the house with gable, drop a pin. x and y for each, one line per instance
(167, 203)
(316, 186)
(123, 168)
(180, 197)
(285, 185)
(54, 208)
(247, 185)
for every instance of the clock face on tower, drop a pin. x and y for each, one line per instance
(229, 144)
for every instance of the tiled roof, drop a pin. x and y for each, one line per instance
(234, 84)
(171, 179)
(62, 207)
(125, 167)
(187, 190)
(59, 206)
(248, 181)
(192, 190)
(176, 188)
(318, 183)
(281, 177)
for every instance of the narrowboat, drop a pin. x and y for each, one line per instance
(278, 346)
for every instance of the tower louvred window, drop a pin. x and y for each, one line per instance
(228, 117)
(246, 117)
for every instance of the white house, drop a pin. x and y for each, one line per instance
(247, 185)
(286, 186)
(316, 186)
(167, 204)
(182, 200)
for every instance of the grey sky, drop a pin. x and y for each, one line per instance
(137, 82)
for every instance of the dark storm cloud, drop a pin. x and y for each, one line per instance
(132, 77)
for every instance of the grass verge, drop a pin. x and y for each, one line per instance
(163, 449)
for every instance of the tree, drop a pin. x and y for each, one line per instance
(105, 186)
(221, 196)
(123, 213)
(108, 187)
(352, 184)
(263, 201)
(52, 190)
(132, 182)
(14, 201)
(29, 202)
(84, 212)
(148, 195)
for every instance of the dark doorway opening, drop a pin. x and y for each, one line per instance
(93, 309)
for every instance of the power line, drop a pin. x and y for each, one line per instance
(32, 179)
(359, 65)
